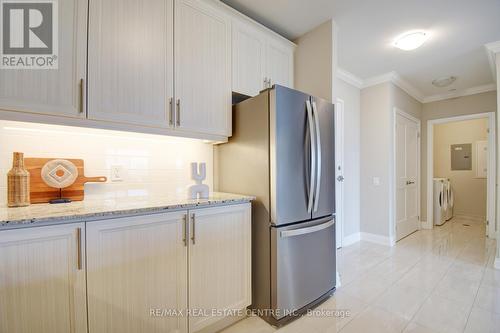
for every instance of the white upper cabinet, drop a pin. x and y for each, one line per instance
(131, 61)
(42, 280)
(202, 68)
(249, 61)
(53, 91)
(260, 58)
(279, 63)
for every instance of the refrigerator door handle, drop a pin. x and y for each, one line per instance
(318, 143)
(308, 230)
(312, 176)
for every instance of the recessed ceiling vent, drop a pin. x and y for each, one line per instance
(444, 81)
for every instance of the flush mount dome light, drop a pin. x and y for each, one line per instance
(444, 81)
(411, 40)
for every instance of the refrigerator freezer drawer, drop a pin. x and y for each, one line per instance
(303, 264)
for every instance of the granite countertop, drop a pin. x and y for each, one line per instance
(79, 211)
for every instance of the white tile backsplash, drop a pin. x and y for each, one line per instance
(153, 165)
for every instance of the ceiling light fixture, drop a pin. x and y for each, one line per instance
(411, 40)
(444, 81)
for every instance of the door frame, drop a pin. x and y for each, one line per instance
(339, 160)
(491, 177)
(392, 181)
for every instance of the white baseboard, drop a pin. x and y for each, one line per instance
(497, 263)
(351, 239)
(378, 239)
(425, 225)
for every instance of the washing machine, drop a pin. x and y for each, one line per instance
(439, 201)
(449, 200)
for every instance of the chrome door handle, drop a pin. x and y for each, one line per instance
(313, 157)
(185, 229)
(170, 112)
(308, 230)
(178, 115)
(340, 178)
(193, 237)
(82, 93)
(408, 182)
(78, 248)
(318, 143)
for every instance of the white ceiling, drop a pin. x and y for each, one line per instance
(459, 29)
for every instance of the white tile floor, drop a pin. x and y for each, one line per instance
(439, 280)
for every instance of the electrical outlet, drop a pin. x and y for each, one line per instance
(117, 173)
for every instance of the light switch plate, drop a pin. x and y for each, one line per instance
(117, 173)
(376, 181)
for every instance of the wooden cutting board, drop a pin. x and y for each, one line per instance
(41, 192)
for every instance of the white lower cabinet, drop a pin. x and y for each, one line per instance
(42, 280)
(219, 262)
(134, 266)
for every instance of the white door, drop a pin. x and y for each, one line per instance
(58, 91)
(219, 261)
(248, 45)
(42, 280)
(202, 68)
(131, 61)
(134, 266)
(279, 65)
(407, 178)
(339, 172)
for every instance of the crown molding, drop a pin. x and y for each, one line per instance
(397, 80)
(349, 78)
(491, 50)
(461, 93)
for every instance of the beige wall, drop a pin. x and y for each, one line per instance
(470, 191)
(405, 102)
(313, 66)
(479, 103)
(375, 140)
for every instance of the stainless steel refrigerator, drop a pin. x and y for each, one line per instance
(282, 151)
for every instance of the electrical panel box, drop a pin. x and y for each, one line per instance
(461, 157)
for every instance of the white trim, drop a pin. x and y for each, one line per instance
(491, 50)
(374, 238)
(497, 263)
(406, 86)
(351, 239)
(392, 180)
(339, 164)
(425, 225)
(461, 93)
(349, 78)
(491, 196)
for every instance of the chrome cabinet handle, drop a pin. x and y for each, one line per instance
(81, 97)
(313, 156)
(78, 248)
(193, 237)
(170, 112)
(340, 178)
(409, 182)
(178, 115)
(185, 229)
(318, 145)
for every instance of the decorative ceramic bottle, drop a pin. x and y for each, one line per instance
(18, 183)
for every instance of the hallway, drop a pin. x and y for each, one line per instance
(439, 280)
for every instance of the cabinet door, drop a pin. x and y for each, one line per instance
(248, 47)
(279, 65)
(42, 280)
(131, 61)
(134, 266)
(53, 91)
(219, 261)
(202, 68)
